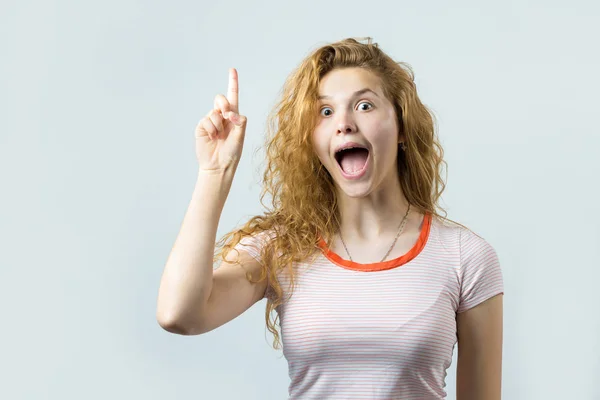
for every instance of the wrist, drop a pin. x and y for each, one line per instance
(214, 184)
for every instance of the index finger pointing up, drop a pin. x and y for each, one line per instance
(233, 89)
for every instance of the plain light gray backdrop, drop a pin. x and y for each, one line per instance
(99, 101)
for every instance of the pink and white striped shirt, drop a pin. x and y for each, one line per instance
(385, 330)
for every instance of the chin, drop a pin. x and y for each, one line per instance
(355, 190)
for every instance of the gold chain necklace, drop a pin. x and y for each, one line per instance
(393, 243)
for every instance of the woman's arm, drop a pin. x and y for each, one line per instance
(187, 278)
(479, 366)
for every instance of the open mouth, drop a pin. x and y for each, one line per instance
(352, 160)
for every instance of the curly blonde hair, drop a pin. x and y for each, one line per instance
(304, 206)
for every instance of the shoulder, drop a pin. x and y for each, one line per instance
(254, 242)
(261, 237)
(474, 247)
(466, 239)
(480, 272)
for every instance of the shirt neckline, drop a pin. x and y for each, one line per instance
(385, 265)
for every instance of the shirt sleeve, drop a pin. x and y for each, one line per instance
(480, 272)
(250, 245)
(253, 245)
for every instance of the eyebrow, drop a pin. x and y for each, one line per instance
(357, 93)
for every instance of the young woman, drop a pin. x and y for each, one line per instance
(372, 287)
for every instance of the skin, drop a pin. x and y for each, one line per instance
(373, 206)
(479, 363)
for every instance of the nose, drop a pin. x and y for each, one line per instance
(345, 123)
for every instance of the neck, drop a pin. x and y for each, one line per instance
(374, 216)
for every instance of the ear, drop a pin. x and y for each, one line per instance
(401, 134)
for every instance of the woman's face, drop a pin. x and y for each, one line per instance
(353, 111)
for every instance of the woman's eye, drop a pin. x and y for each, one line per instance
(328, 108)
(325, 108)
(364, 102)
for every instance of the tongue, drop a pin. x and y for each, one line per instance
(353, 161)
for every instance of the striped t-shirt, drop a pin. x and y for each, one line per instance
(384, 330)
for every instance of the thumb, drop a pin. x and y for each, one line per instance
(239, 122)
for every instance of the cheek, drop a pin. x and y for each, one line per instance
(385, 140)
(385, 133)
(320, 147)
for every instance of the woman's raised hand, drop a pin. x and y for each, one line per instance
(220, 134)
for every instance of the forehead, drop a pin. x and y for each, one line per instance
(344, 82)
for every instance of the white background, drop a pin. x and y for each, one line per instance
(98, 103)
